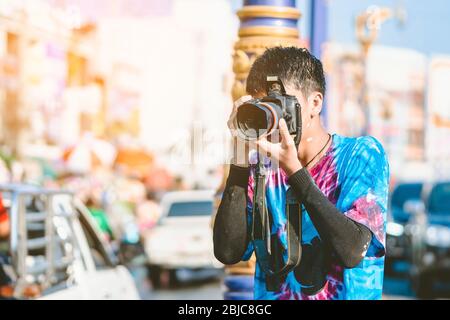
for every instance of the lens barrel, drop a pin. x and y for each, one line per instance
(254, 120)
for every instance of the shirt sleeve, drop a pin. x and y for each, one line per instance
(230, 230)
(364, 190)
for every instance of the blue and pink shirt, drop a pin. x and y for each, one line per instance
(354, 176)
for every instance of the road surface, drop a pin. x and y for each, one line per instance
(207, 285)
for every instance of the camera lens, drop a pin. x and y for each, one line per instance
(255, 120)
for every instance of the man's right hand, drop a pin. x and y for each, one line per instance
(241, 147)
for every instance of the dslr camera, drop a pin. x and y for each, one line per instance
(260, 117)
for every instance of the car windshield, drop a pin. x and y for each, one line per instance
(439, 200)
(405, 192)
(191, 208)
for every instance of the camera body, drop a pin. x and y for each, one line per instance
(260, 117)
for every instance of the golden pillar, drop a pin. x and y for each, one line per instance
(263, 24)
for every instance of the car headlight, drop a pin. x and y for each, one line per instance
(438, 236)
(394, 229)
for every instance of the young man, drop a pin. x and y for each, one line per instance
(341, 182)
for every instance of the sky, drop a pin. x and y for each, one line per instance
(425, 28)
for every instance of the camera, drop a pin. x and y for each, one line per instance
(260, 117)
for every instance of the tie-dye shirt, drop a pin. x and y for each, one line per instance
(354, 176)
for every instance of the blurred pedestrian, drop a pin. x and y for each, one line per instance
(100, 217)
(148, 212)
(6, 280)
(4, 220)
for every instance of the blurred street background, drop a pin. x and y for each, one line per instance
(125, 103)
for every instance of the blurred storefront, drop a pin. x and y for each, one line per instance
(48, 87)
(95, 97)
(438, 116)
(70, 69)
(397, 115)
(405, 109)
(68, 122)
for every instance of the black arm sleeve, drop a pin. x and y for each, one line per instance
(230, 227)
(348, 239)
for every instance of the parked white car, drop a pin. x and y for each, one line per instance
(55, 245)
(183, 237)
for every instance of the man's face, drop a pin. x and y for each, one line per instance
(311, 106)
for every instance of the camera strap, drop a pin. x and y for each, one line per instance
(261, 232)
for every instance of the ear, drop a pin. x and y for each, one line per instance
(315, 100)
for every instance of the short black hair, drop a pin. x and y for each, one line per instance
(294, 66)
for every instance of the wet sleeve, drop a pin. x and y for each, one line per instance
(358, 229)
(230, 232)
(349, 240)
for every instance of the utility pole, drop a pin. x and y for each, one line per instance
(368, 26)
(263, 24)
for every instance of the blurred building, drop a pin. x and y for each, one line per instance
(168, 75)
(403, 76)
(49, 96)
(183, 74)
(139, 73)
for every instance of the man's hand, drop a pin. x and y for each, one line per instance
(283, 152)
(240, 147)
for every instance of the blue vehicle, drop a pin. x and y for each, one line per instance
(397, 240)
(430, 240)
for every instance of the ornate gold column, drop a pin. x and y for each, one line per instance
(263, 24)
